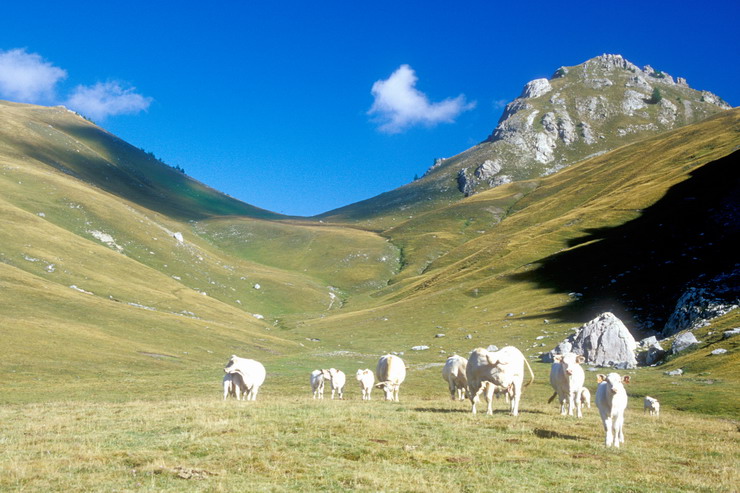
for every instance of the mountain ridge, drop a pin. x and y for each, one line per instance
(580, 112)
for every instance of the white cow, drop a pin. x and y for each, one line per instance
(585, 398)
(453, 372)
(391, 372)
(252, 373)
(366, 379)
(611, 399)
(317, 384)
(567, 378)
(337, 379)
(503, 368)
(233, 385)
(652, 405)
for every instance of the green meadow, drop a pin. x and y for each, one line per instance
(125, 286)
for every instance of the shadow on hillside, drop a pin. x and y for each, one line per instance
(639, 269)
(135, 175)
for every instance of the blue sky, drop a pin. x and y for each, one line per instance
(303, 107)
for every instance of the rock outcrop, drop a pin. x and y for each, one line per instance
(705, 300)
(580, 111)
(604, 341)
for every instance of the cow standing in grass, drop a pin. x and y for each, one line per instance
(252, 373)
(366, 378)
(651, 405)
(503, 368)
(391, 372)
(337, 380)
(611, 399)
(567, 378)
(317, 384)
(453, 372)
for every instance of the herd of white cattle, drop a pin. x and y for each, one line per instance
(485, 373)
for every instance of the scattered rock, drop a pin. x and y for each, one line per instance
(683, 341)
(729, 333)
(719, 351)
(695, 307)
(438, 336)
(655, 353)
(469, 336)
(648, 341)
(492, 348)
(674, 373)
(420, 348)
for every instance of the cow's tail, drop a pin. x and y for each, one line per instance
(552, 398)
(530, 372)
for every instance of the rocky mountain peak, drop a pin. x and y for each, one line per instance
(579, 112)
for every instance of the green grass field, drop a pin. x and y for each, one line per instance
(114, 333)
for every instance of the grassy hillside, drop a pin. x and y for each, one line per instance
(123, 296)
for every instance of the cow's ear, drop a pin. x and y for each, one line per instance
(626, 379)
(557, 358)
(580, 359)
(600, 378)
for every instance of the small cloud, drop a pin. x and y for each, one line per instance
(106, 99)
(26, 77)
(500, 104)
(399, 105)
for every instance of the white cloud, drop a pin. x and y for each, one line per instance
(27, 78)
(399, 105)
(106, 99)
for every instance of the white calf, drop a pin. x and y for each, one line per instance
(391, 372)
(453, 372)
(585, 398)
(233, 385)
(611, 399)
(252, 373)
(317, 384)
(488, 390)
(366, 379)
(567, 378)
(652, 405)
(337, 379)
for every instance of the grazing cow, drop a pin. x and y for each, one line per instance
(317, 384)
(503, 368)
(652, 405)
(567, 378)
(337, 379)
(252, 373)
(366, 379)
(391, 372)
(233, 385)
(585, 398)
(453, 372)
(611, 399)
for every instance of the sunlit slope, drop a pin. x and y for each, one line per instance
(599, 235)
(56, 138)
(349, 260)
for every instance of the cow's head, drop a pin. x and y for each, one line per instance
(614, 381)
(230, 363)
(568, 361)
(388, 388)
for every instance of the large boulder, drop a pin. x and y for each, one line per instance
(604, 341)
